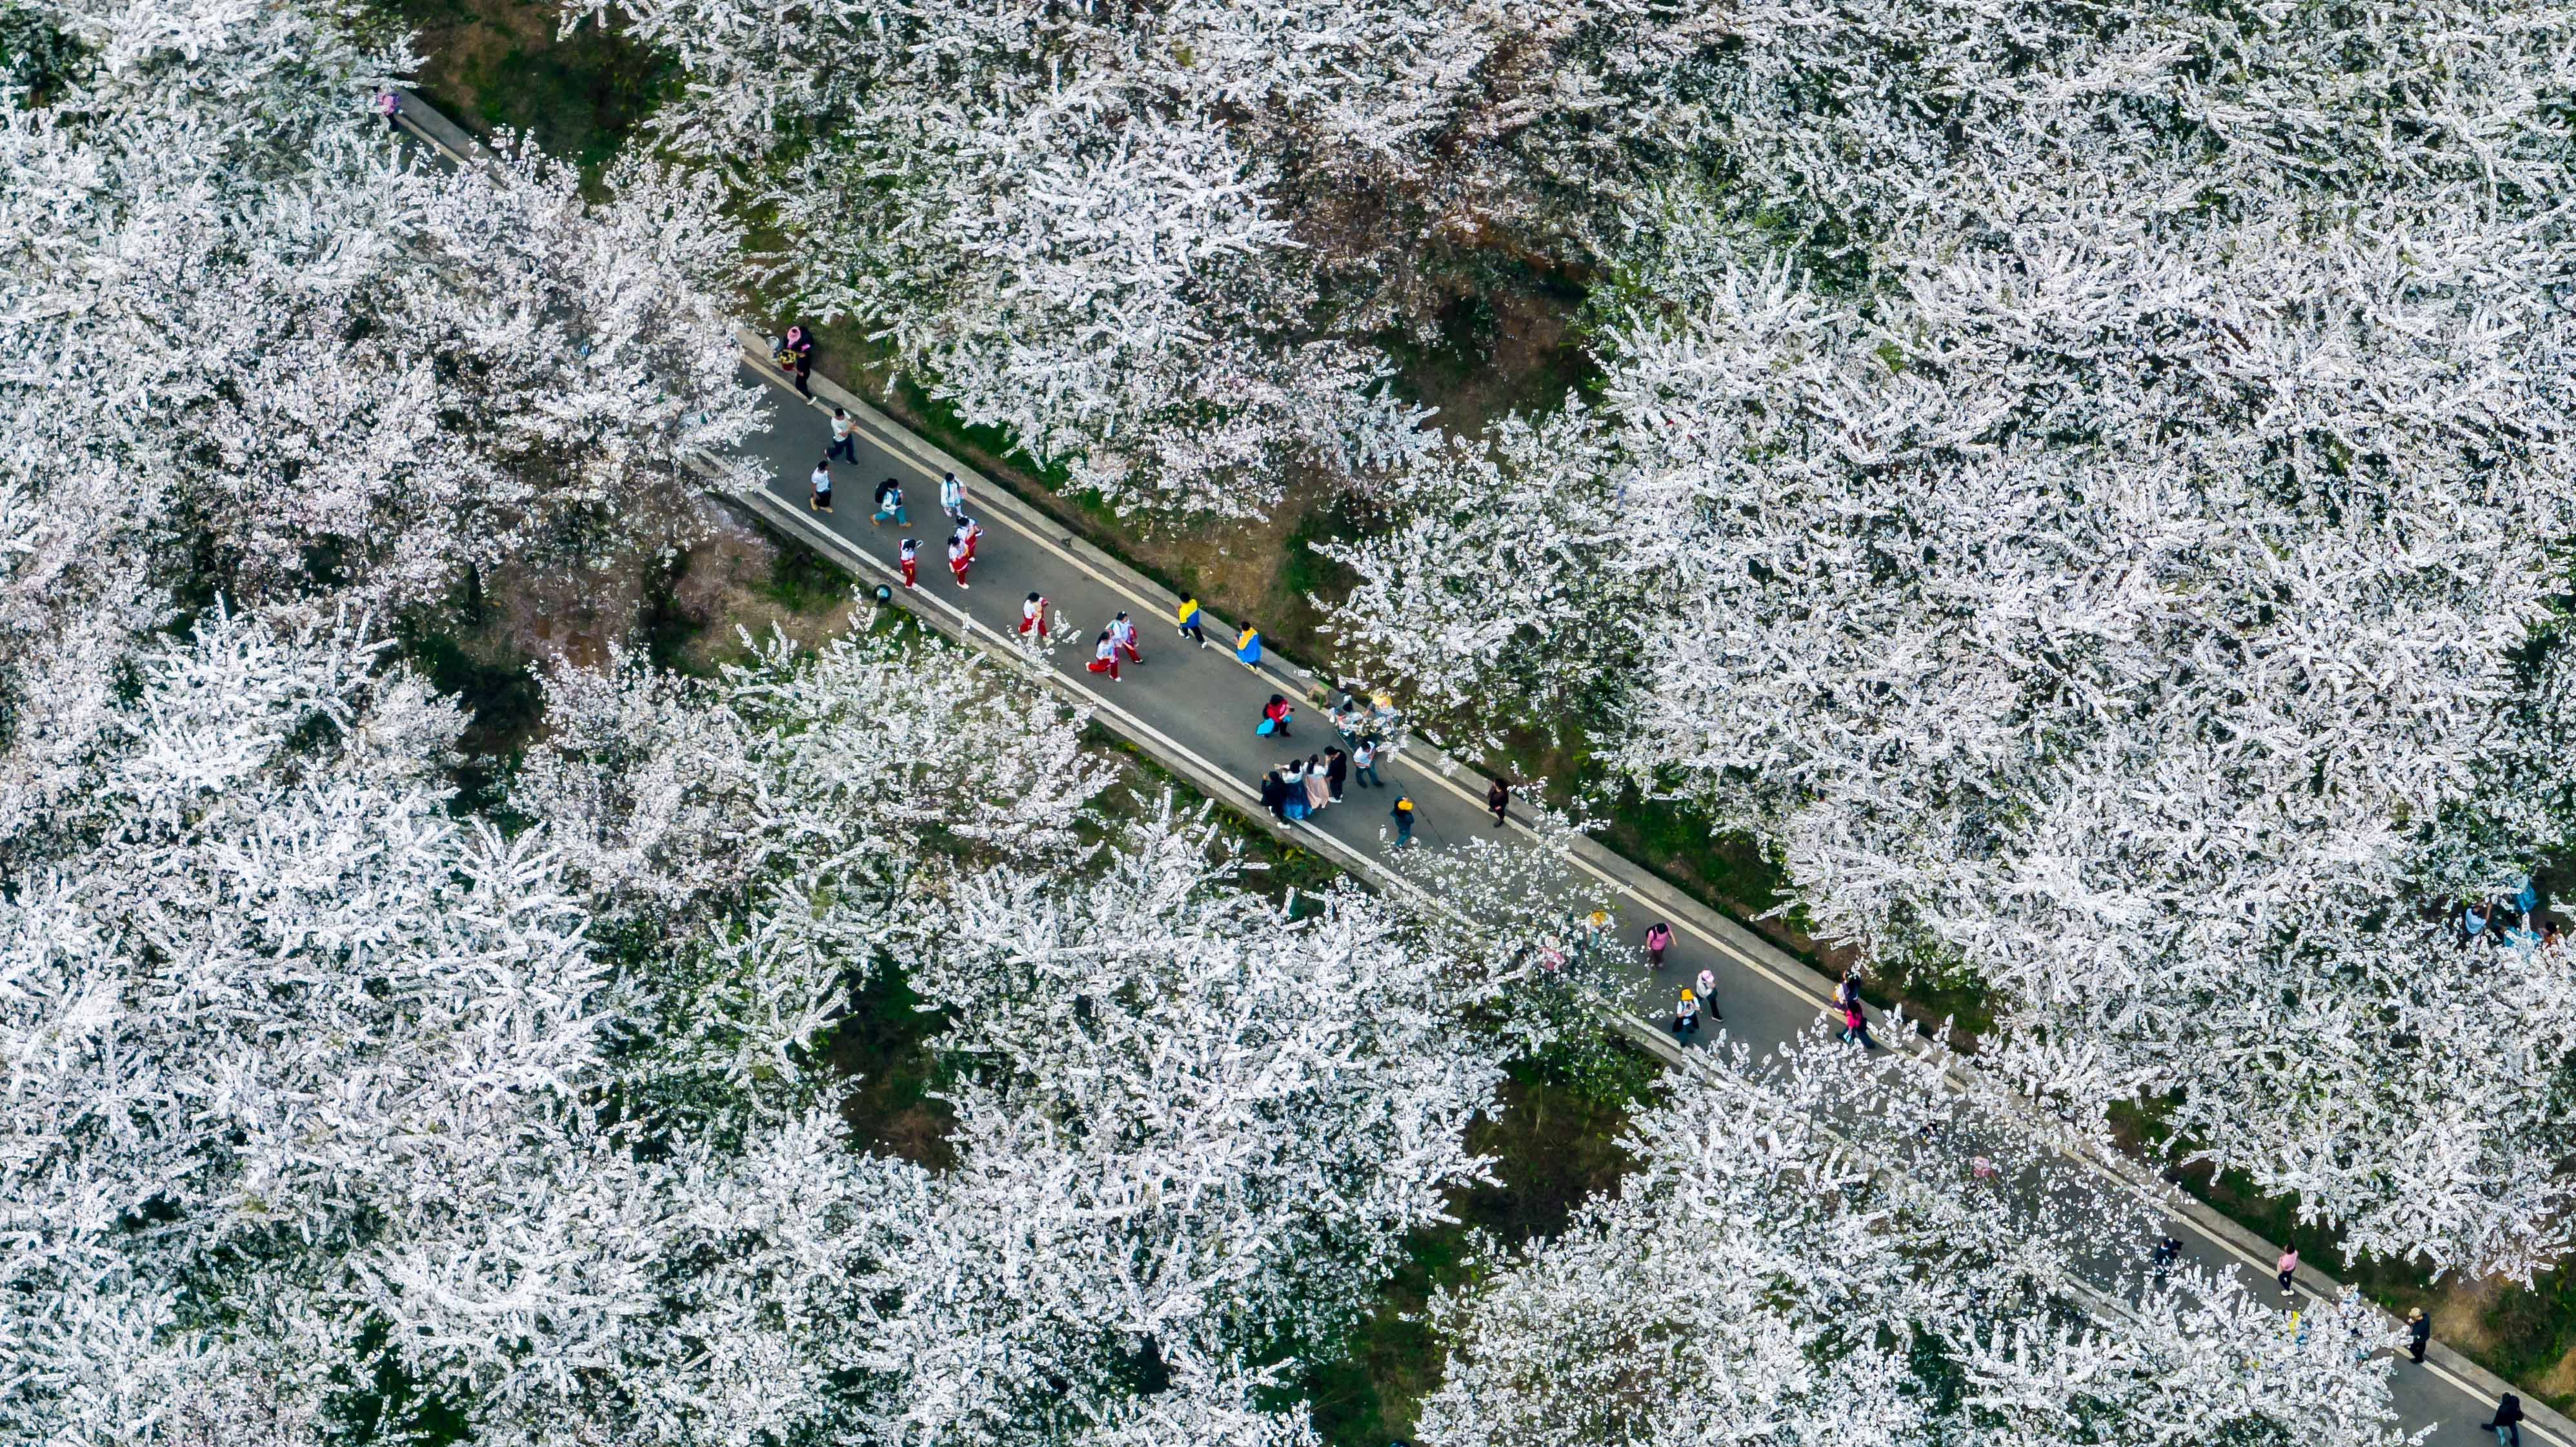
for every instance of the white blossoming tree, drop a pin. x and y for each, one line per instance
(1808, 1252)
(2083, 502)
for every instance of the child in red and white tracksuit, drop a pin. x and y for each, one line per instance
(1123, 633)
(906, 556)
(1033, 616)
(958, 559)
(1104, 658)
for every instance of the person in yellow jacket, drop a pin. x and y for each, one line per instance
(1247, 647)
(1190, 621)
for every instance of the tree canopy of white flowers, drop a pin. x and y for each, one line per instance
(2088, 492)
(252, 349)
(1153, 241)
(1810, 1252)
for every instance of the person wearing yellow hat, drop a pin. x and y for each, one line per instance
(1402, 813)
(1686, 1017)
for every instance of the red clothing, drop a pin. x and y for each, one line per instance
(958, 559)
(906, 559)
(1033, 615)
(1105, 661)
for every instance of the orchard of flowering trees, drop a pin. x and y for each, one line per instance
(2085, 488)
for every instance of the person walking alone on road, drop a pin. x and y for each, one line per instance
(1364, 763)
(796, 355)
(1498, 797)
(957, 559)
(1033, 617)
(1274, 796)
(1247, 646)
(1122, 631)
(1318, 791)
(2507, 1423)
(2287, 1266)
(1686, 1017)
(822, 480)
(890, 504)
(1708, 986)
(908, 555)
(2419, 1335)
(952, 497)
(1104, 657)
(1337, 771)
(1278, 715)
(845, 438)
(1190, 622)
(1402, 814)
(1659, 938)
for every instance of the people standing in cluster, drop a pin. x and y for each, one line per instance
(1276, 715)
(796, 354)
(1274, 796)
(1498, 798)
(1033, 616)
(957, 559)
(1402, 814)
(1104, 657)
(970, 533)
(1293, 775)
(1659, 938)
(822, 484)
(890, 504)
(845, 439)
(1122, 631)
(1686, 1017)
(1190, 621)
(952, 497)
(908, 556)
(1247, 646)
(1319, 791)
(1337, 771)
(1364, 763)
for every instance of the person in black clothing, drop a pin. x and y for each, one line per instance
(1274, 796)
(2419, 1335)
(2508, 1421)
(1499, 799)
(2166, 1251)
(1337, 768)
(796, 354)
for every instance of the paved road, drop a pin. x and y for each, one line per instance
(1197, 708)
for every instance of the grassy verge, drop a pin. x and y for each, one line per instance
(500, 64)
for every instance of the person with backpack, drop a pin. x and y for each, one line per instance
(796, 358)
(1402, 813)
(1659, 938)
(1276, 715)
(1033, 617)
(889, 503)
(906, 556)
(1122, 631)
(1190, 622)
(1364, 762)
(2507, 1422)
(822, 483)
(845, 438)
(1104, 657)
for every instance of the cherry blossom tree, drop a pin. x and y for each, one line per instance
(2085, 505)
(1811, 1251)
